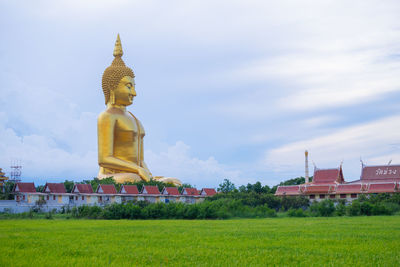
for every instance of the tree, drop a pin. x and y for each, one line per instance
(39, 188)
(7, 195)
(226, 186)
(242, 189)
(258, 188)
(68, 186)
(295, 181)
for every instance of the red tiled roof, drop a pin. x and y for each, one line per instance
(291, 190)
(129, 189)
(83, 188)
(382, 188)
(208, 191)
(318, 189)
(54, 188)
(25, 187)
(151, 190)
(349, 188)
(326, 176)
(106, 189)
(190, 191)
(173, 191)
(380, 173)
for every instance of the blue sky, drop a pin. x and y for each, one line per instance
(227, 89)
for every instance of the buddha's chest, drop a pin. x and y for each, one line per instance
(128, 129)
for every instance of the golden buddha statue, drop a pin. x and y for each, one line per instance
(120, 133)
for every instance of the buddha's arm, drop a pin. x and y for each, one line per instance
(142, 163)
(145, 167)
(105, 126)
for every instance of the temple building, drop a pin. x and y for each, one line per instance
(330, 183)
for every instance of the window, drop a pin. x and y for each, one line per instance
(342, 195)
(312, 196)
(23, 197)
(353, 195)
(100, 198)
(76, 197)
(54, 197)
(332, 196)
(47, 197)
(322, 196)
(83, 198)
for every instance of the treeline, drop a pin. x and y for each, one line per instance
(227, 186)
(381, 204)
(255, 201)
(219, 209)
(242, 205)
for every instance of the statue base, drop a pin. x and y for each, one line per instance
(121, 177)
(133, 178)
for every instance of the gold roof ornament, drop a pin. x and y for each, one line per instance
(116, 71)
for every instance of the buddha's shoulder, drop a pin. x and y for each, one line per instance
(109, 114)
(105, 115)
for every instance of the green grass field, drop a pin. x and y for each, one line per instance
(350, 241)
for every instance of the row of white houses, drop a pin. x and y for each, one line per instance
(54, 196)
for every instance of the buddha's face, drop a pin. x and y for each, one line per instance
(125, 91)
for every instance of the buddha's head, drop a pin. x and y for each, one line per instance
(118, 80)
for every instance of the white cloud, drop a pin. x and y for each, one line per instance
(177, 162)
(333, 55)
(375, 142)
(41, 158)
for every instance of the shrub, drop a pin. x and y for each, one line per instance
(380, 209)
(354, 209)
(294, 202)
(296, 213)
(340, 209)
(366, 208)
(325, 208)
(49, 215)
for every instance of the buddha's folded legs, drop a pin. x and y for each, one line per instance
(170, 180)
(121, 177)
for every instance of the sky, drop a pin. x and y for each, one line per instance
(225, 89)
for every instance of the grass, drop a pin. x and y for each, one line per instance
(338, 241)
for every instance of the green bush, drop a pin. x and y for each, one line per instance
(380, 209)
(354, 209)
(340, 209)
(366, 208)
(296, 213)
(324, 208)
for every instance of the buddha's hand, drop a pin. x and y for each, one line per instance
(144, 174)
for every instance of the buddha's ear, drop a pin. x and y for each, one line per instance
(112, 97)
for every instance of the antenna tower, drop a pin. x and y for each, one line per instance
(16, 170)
